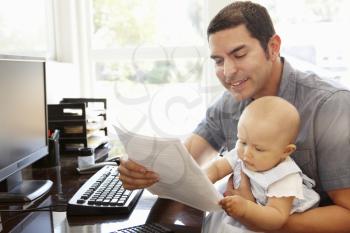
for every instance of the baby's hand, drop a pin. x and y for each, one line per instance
(235, 206)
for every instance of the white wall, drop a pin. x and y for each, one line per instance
(62, 81)
(214, 6)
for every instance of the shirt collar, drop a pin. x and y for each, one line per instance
(287, 87)
(241, 106)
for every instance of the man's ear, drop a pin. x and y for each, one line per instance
(289, 150)
(274, 46)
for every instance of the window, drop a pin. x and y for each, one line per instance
(24, 27)
(149, 63)
(152, 65)
(314, 34)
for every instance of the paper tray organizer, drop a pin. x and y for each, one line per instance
(81, 122)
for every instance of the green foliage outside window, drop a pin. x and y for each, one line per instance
(123, 22)
(131, 23)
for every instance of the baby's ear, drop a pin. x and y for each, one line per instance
(289, 149)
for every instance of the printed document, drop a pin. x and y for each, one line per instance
(181, 179)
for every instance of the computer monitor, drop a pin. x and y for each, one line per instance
(23, 127)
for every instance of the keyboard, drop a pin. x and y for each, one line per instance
(103, 194)
(146, 228)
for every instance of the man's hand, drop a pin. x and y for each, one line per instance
(235, 206)
(243, 190)
(135, 176)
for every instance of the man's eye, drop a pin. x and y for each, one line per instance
(259, 149)
(218, 62)
(241, 55)
(243, 143)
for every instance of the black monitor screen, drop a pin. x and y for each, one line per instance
(23, 130)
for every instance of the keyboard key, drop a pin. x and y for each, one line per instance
(146, 228)
(80, 201)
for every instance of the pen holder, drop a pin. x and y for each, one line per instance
(53, 158)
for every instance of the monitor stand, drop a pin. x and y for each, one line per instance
(19, 190)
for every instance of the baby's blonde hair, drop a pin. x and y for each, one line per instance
(277, 110)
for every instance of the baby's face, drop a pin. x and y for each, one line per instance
(260, 146)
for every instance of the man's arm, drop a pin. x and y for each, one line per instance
(333, 156)
(327, 219)
(200, 149)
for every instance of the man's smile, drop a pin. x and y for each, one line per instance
(238, 83)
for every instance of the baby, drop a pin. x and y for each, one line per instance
(267, 130)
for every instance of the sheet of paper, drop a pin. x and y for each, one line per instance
(181, 178)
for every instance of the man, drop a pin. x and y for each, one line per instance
(245, 48)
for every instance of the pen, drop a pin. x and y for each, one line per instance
(54, 135)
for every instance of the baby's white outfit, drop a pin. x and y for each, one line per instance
(286, 179)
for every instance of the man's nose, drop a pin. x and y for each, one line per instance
(230, 69)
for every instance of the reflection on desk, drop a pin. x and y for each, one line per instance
(67, 181)
(29, 221)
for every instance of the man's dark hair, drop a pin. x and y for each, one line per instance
(254, 16)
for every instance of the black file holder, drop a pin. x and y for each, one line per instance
(70, 116)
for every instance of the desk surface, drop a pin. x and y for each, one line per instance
(67, 181)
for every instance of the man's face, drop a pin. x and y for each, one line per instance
(241, 63)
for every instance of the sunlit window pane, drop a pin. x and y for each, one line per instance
(132, 22)
(23, 27)
(147, 100)
(314, 34)
(151, 71)
(154, 87)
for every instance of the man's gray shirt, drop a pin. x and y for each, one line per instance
(323, 143)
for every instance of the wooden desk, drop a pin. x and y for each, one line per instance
(175, 215)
